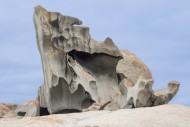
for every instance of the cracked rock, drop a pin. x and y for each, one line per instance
(82, 74)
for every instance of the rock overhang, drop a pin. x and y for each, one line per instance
(83, 74)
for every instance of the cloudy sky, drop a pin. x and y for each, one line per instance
(157, 31)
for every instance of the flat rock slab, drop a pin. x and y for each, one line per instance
(160, 116)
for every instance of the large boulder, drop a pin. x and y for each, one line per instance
(82, 74)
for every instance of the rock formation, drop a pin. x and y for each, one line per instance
(29, 108)
(6, 108)
(82, 74)
(3, 110)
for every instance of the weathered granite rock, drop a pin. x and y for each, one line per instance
(83, 74)
(3, 110)
(136, 84)
(159, 116)
(29, 108)
(6, 108)
(12, 107)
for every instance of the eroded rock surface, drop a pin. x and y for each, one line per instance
(29, 108)
(159, 116)
(3, 110)
(82, 74)
(6, 108)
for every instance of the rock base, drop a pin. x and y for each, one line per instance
(159, 116)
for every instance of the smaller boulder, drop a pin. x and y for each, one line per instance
(29, 109)
(12, 107)
(3, 110)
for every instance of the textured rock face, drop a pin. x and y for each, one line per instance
(3, 110)
(77, 69)
(83, 74)
(6, 108)
(160, 116)
(29, 108)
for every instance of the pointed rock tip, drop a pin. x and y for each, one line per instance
(109, 41)
(39, 7)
